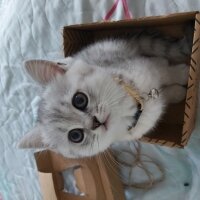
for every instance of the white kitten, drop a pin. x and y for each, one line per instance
(84, 109)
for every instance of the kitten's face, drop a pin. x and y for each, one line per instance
(83, 111)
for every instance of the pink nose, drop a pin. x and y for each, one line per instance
(95, 123)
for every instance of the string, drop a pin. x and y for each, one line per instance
(140, 163)
(111, 11)
(131, 91)
(127, 12)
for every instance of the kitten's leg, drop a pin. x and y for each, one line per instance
(154, 44)
(174, 93)
(181, 73)
(176, 78)
(177, 74)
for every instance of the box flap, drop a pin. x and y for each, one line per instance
(145, 21)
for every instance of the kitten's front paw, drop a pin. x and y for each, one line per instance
(182, 74)
(174, 93)
(180, 93)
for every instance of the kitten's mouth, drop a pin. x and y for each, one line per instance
(106, 122)
(96, 123)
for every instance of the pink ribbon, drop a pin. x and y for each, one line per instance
(127, 12)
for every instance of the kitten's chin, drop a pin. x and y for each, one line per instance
(83, 153)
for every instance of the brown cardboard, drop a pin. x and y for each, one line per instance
(177, 124)
(97, 177)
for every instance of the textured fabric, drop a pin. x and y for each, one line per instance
(32, 29)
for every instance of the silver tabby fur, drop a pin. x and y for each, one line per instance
(142, 61)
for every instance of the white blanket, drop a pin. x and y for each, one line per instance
(32, 29)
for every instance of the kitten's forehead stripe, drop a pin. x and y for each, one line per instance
(89, 72)
(85, 142)
(58, 115)
(62, 129)
(86, 74)
(63, 103)
(41, 110)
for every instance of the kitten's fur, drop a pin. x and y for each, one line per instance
(91, 71)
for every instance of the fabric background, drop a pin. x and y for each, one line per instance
(32, 29)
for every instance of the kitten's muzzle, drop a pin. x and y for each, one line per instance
(95, 123)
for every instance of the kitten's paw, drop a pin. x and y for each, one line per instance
(174, 93)
(182, 74)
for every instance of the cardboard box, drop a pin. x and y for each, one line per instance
(97, 177)
(178, 122)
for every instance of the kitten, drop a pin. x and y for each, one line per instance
(86, 105)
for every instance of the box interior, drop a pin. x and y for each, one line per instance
(76, 37)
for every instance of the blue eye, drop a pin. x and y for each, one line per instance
(76, 135)
(80, 101)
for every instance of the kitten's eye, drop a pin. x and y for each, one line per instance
(76, 135)
(80, 101)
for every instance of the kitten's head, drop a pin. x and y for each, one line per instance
(83, 109)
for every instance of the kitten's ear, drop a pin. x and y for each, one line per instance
(32, 139)
(43, 71)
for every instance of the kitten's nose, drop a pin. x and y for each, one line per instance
(95, 123)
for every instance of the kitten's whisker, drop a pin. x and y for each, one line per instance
(113, 159)
(114, 167)
(106, 166)
(109, 165)
(42, 153)
(114, 100)
(111, 96)
(98, 142)
(92, 145)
